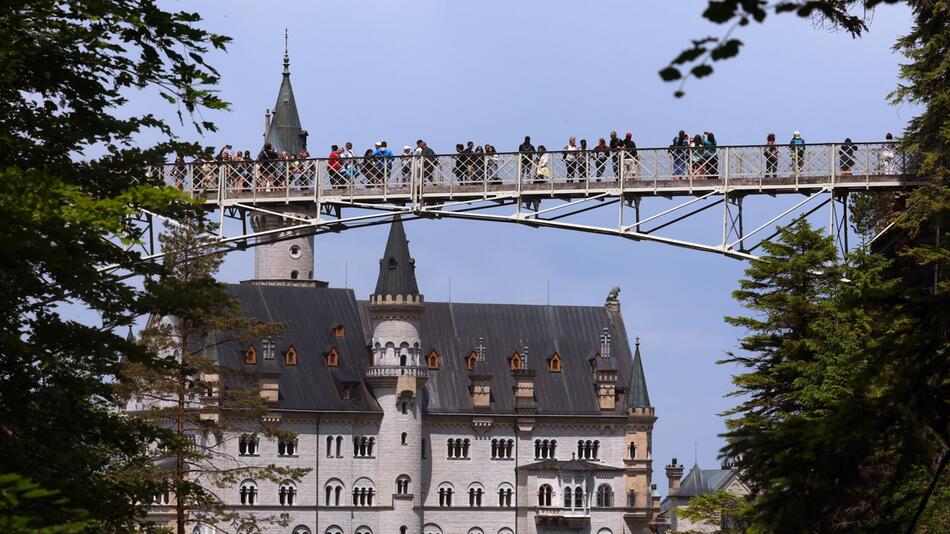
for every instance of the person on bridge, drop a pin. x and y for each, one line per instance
(584, 159)
(491, 157)
(349, 163)
(545, 168)
(406, 160)
(678, 154)
(570, 159)
(478, 160)
(600, 158)
(712, 158)
(846, 156)
(697, 157)
(179, 172)
(429, 160)
(631, 158)
(368, 167)
(458, 162)
(334, 167)
(616, 144)
(771, 156)
(268, 165)
(527, 158)
(384, 160)
(885, 157)
(797, 147)
(468, 161)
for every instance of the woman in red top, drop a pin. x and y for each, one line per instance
(334, 166)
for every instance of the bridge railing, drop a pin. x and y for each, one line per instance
(540, 171)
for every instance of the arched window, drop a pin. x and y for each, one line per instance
(250, 355)
(494, 448)
(301, 529)
(287, 493)
(339, 446)
(364, 530)
(333, 530)
(605, 530)
(475, 530)
(403, 438)
(247, 445)
(432, 360)
(509, 448)
(554, 364)
(537, 449)
(505, 491)
(364, 492)
(633, 450)
(605, 496)
(445, 494)
(248, 493)
(506, 530)
(287, 447)
(431, 528)
(162, 498)
(544, 495)
(578, 497)
(290, 357)
(333, 491)
(329, 446)
(567, 497)
(596, 451)
(402, 485)
(545, 449)
(248, 529)
(475, 492)
(553, 450)
(465, 447)
(403, 529)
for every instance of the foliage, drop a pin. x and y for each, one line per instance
(842, 424)
(23, 504)
(67, 68)
(196, 394)
(726, 511)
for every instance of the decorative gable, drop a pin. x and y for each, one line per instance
(515, 362)
(471, 359)
(432, 360)
(332, 357)
(250, 355)
(290, 356)
(554, 363)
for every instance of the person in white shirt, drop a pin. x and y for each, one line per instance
(885, 158)
(570, 159)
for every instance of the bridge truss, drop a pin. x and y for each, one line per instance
(653, 193)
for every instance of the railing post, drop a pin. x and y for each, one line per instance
(834, 168)
(518, 166)
(620, 204)
(725, 168)
(385, 177)
(287, 180)
(317, 184)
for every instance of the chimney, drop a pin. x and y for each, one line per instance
(654, 498)
(524, 388)
(266, 124)
(269, 386)
(605, 375)
(481, 379)
(674, 472)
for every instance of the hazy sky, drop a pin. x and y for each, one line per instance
(494, 71)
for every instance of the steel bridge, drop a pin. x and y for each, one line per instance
(546, 189)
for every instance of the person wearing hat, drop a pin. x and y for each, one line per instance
(406, 161)
(797, 146)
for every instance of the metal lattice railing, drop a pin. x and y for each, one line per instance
(540, 171)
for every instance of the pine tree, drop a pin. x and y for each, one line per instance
(205, 406)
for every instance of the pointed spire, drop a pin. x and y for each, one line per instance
(397, 269)
(285, 133)
(637, 395)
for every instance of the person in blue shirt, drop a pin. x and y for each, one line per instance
(797, 146)
(383, 159)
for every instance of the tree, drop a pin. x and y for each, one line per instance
(67, 68)
(728, 512)
(203, 403)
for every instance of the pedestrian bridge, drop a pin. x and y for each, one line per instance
(543, 189)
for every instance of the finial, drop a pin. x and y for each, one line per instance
(636, 342)
(286, 54)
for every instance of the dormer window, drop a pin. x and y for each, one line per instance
(268, 347)
(290, 357)
(250, 355)
(332, 357)
(339, 330)
(470, 360)
(432, 360)
(515, 362)
(554, 364)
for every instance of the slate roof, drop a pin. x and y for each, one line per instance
(452, 329)
(637, 395)
(286, 133)
(567, 465)
(397, 269)
(702, 481)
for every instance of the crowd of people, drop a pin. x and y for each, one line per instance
(691, 156)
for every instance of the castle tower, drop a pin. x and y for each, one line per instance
(396, 375)
(641, 505)
(277, 260)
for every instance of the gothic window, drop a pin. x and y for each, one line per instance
(248, 493)
(432, 360)
(333, 490)
(544, 495)
(554, 364)
(402, 485)
(290, 357)
(287, 494)
(475, 492)
(445, 495)
(470, 360)
(605, 496)
(268, 346)
(287, 447)
(247, 445)
(250, 356)
(332, 357)
(515, 362)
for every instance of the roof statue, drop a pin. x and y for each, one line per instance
(284, 132)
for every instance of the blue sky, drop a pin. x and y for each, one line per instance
(494, 71)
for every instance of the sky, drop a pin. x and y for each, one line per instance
(494, 71)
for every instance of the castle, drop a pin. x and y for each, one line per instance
(434, 417)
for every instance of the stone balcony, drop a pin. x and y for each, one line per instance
(556, 515)
(381, 371)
